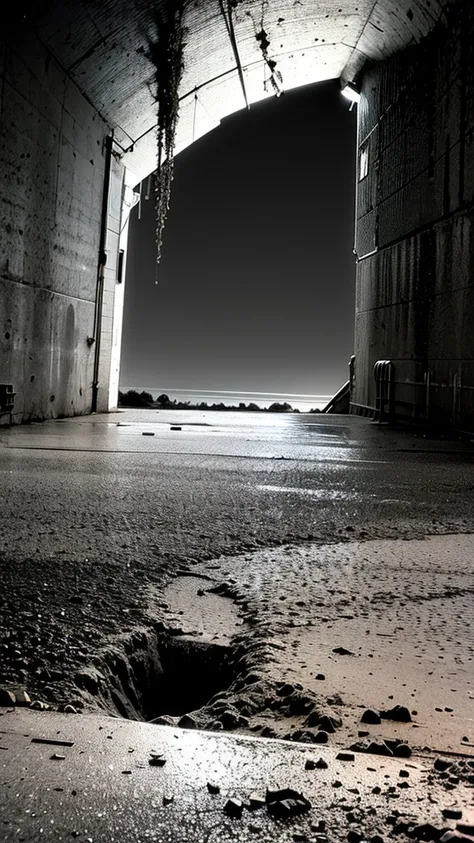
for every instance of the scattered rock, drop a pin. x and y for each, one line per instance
(321, 764)
(320, 676)
(398, 713)
(256, 801)
(289, 807)
(234, 807)
(310, 764)
(168, 798)
(452, 813)
(341, 651)
(57, 757)
(286, 802)
(213, 788)
(425, 831)
(39, 705)
(370, 715)
(442, 765)
(7, 698)
(345, 756)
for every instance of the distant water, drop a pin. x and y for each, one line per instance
(298, 401)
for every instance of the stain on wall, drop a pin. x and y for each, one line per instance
(51, 183)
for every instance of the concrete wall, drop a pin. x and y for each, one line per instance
(415, 231)
(52, 161)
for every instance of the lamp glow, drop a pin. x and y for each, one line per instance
(351, 93)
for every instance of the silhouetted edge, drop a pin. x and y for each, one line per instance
(144, 400)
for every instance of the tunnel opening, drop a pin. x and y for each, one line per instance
(261, 299)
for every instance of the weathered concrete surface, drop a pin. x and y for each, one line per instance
(416, 203)
(51, 185)
(310, 41)
(414, 239)
(283, 514)
(102, 787)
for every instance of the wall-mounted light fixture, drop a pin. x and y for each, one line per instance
(351, 93)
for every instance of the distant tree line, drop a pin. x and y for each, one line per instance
(143, 399)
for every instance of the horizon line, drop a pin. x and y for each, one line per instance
(232, 392)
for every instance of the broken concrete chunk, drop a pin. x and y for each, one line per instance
(289, 807)
(256, 801)
(286, 802)
(234, 807)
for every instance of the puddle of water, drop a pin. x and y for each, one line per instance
(320, 494)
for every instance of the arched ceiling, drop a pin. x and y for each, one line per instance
(103, 46)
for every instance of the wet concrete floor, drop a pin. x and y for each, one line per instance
(99, 515)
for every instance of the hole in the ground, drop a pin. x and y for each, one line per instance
(168, 675)
(193, 672)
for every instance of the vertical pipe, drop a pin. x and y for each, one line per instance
(100, 273)
(427, 397)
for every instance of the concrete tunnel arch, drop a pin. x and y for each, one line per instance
(74, 74)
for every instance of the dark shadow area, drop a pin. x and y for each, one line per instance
(193, 672)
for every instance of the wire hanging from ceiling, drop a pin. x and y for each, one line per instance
(166, 53)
